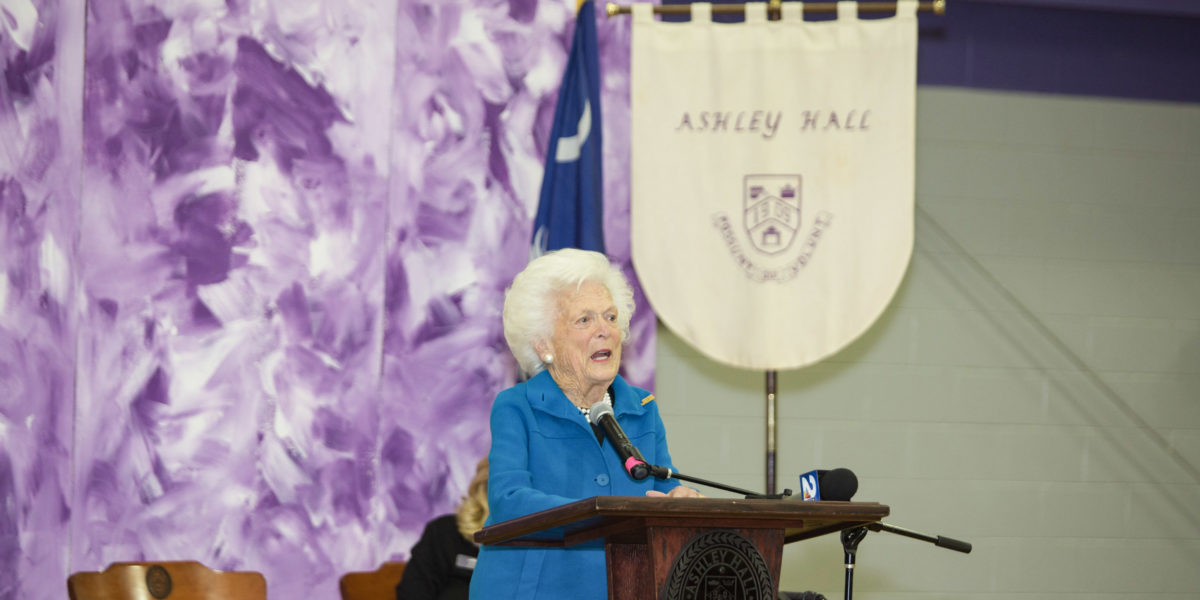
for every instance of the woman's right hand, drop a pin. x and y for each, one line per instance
(678, 492)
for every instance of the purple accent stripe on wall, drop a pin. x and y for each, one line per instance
(1157, 7)
(1140, 49)
(1061, 51)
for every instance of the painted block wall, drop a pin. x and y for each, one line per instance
(1034, 387)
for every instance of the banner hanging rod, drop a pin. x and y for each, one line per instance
(937, 7)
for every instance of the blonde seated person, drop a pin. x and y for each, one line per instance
(443, 559)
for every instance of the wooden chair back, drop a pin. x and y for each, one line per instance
(171, 580)
(379, 584)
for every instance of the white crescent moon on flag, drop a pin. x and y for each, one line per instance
(569, 147)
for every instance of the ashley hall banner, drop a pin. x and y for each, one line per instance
(772, 209)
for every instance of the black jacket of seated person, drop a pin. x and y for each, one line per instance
(441, 564)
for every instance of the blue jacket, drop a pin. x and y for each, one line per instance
(545, 454)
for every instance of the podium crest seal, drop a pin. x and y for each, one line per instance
(719, 565)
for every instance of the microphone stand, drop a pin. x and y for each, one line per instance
(851, 537)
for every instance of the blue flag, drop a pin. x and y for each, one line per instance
(570, 205)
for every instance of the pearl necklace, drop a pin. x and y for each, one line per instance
(587, 412)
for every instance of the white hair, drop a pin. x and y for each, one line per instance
(531, 303)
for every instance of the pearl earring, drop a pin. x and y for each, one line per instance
(547, 358)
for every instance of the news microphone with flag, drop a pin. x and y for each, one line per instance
(833, 484)
(602, 414)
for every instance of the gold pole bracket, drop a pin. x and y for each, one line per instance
(937, 7)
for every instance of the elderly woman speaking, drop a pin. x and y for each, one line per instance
(565, 318)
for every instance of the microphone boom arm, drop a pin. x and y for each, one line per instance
(665, 473)
(939, 541)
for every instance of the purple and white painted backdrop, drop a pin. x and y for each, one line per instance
(254, 255)
(41, 46)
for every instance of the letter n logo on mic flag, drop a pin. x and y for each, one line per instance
(570, 205)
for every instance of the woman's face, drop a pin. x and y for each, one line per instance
(587, 339)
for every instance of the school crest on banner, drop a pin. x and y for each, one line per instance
(773, 174)
(772, 211)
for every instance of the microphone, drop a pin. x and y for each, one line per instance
(601, 414)
(821, 484)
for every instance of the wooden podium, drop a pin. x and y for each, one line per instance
(684, 548)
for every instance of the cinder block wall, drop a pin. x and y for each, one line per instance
(1035, 386)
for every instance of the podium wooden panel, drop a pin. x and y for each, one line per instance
(644, 538)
